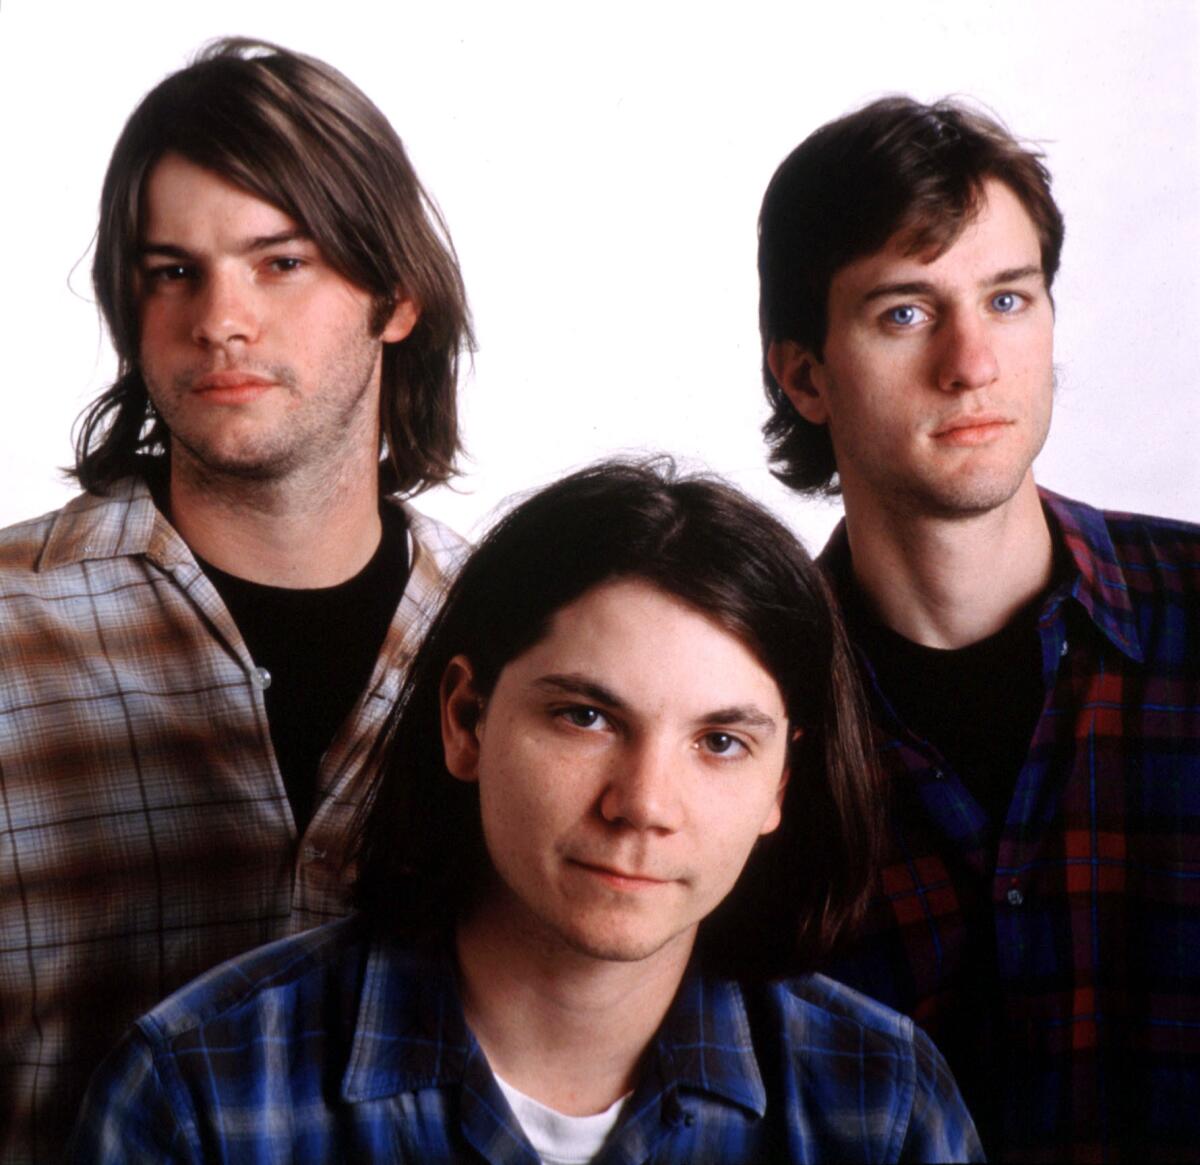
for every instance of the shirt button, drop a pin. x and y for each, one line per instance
(938, 775)
(1015, 897)
(312, 854)
(1062, 651)
(261, 678)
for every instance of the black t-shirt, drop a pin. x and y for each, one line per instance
(977, 705)
(319, 646)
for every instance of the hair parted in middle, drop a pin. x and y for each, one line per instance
(895, 167)
(422, 858)
(296, 133)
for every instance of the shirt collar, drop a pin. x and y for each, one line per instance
(411, 1033)
(1097, 582)
(704, 1044)
(125, 522)
(122, 523)
(1099, 585)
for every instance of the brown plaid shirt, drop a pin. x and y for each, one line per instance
(145, 834)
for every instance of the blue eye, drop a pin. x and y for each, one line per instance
(1007, 302)
(905, 315)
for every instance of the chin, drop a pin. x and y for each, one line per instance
(613, 945)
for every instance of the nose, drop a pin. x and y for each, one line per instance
(226, 311)
(642, 791)
(967, 357)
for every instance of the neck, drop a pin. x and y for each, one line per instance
(273, 532)
(949, 582)
(565, 1028)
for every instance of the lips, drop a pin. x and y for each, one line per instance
(971, 429)
(621, 878)
(231, 379)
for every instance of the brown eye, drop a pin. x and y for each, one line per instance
(582, 716)
(722, 744)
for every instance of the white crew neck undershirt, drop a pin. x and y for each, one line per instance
(557, 1138)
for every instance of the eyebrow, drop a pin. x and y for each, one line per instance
(747, 715)
(574, 684)
(246, 247)
(923, 287)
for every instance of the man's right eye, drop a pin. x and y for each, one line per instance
(582, 716)
(905, 315)
(167, 273)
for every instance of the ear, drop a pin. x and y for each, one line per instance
(802, 378)
(462, 712)
(775, 815)
(402, 321)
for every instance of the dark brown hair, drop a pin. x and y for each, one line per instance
(893, 167)
(296, 133)
(423, 859)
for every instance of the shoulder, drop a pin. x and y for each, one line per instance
(861, 1069)
(1136, 543)
(434, 541)
(227, 1042)
(89, 527)
(829, 1016)
(253, 990)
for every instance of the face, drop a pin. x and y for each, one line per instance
(626, 765)
(937, 375)
(256, 353)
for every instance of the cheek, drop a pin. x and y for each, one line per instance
(534, 790)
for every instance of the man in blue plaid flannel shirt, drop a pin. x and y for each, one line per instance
(625, 784)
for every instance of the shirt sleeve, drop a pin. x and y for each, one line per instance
(128, 1115)
(941, 1128)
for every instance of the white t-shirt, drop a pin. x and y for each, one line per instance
(560, 1139)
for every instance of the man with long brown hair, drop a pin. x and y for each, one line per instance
(199, 648)
(623, 799)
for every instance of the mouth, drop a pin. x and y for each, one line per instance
(977, 429)
(231, 386)
(619, 879)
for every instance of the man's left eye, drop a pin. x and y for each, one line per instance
(1007, 301)
(286, 264)
(722, 744)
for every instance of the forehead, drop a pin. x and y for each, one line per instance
(650, 647)
(1001, 237)
(182, 200)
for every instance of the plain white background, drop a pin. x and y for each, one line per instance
(601, 167)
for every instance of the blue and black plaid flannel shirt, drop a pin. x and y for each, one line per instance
(331, 1046)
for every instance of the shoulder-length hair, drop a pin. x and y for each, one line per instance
(296, 133)
(895, 166)
(422, 860)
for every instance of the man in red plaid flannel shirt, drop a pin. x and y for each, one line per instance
(1032, 661)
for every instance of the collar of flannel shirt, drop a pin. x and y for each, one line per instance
(411, 1034)
(1098, 584)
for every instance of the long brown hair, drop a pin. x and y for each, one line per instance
(423, 860)
(295, 132)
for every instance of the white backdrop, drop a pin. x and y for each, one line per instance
(601, 166)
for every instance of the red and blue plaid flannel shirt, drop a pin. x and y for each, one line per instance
(1063, 983)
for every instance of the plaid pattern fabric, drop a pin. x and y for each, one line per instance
(1063, 983)
(329, 1046)
(145, 834)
